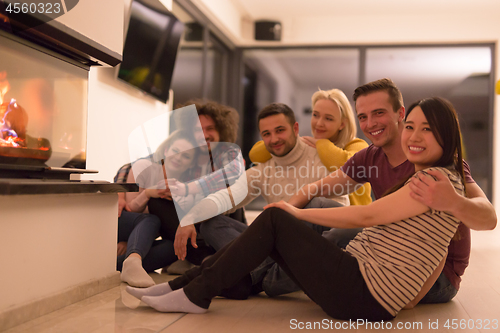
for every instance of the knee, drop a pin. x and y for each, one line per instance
(273, 215)
(151, 220)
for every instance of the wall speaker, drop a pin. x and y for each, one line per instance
(193, 32)
(268, 30)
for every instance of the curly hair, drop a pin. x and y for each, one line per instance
(225, 118)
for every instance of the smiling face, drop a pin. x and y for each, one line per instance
(419, 143)
(179, 157)
(326, 121)
(278, 135)
(378, 120)
(206, 133)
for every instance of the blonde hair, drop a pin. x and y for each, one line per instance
(348, 133)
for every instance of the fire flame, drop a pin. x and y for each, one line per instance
(8, 137)
(13, 120)
(11, 141)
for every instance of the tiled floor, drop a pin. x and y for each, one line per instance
(115, 311)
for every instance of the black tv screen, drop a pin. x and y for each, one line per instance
(150, 49)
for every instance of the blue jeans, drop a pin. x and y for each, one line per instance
(221, 230)
(441, 292)
(341, 237)
(140, 231)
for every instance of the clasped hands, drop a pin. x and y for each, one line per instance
(161, 190)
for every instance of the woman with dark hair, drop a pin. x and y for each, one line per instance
(388, 266)
(218, 165)
(138, 252)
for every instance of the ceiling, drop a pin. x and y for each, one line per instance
(288, 9)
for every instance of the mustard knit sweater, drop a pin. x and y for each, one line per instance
(332, 157)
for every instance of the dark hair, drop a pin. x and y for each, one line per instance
(225, 118)
(187, 135)
(395, 96)
(443, 121)
(277, 108)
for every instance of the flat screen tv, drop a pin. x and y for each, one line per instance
(150, 49)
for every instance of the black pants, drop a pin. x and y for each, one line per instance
(328, 275)
(165, 210)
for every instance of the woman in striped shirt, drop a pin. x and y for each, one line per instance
(388, 266)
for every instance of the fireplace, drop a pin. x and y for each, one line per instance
(43, 111)
(49, 217)
(43, 108)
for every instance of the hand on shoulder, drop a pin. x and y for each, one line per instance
(433, 188)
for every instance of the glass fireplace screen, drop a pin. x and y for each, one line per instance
(43, 108)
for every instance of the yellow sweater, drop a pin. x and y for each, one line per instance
(332, 157)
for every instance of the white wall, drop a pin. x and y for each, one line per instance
(225, 11)
(114, 110)
(433, 22)
(56, 242)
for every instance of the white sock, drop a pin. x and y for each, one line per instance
(158, 290)
(176, 301)
(134, 274)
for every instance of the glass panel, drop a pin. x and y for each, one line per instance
(215, 71)
(43, 108)
(297, 73)
(291, 76)
(460, 74)
(188, 70)
(187, 78)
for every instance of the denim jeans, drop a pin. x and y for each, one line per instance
(140, 231)
(441, 292)
(341, 237)
(221, 230)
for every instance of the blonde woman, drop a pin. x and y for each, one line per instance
(334, 136)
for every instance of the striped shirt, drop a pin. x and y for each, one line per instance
(397, 258)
